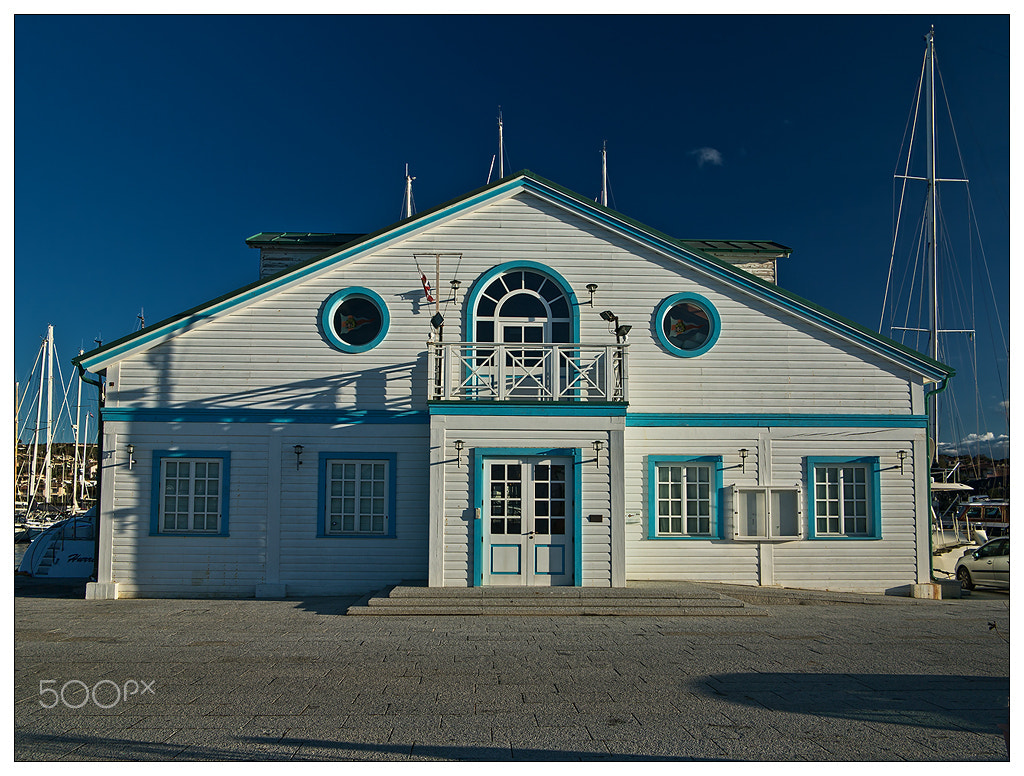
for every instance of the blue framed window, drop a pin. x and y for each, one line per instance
(683, 497)
(357, 495)
(843, 498)
(190, 493)
(354, 319)
(687, 325)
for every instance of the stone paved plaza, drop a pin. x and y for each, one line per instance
(297, 680)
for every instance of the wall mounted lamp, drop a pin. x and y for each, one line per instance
(743, 459)
(608, 315)
(131, 456)
(591, 287)
(455, 290)
(621, 331)
(459, 444)
(902, 456)
(598, 446)
(298, 456)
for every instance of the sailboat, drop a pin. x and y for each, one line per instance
(44, 496)
(948, 495)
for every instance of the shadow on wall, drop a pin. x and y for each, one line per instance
(396, 387)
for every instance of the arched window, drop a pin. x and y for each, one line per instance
(523, 306)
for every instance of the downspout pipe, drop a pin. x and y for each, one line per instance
(99, 466)
(929, 408)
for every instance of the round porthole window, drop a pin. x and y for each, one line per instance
(354, 319)
(687, 324)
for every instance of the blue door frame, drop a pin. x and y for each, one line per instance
(480, 456)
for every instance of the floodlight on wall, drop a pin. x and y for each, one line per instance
(131, 456)
(592, 288)
(609, 316)
(621, 331)
(298, 456)
(743, 459)
(459, 444)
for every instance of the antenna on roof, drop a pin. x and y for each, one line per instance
(501, 146)
(604, 173)
(491, 170)
(407, 204)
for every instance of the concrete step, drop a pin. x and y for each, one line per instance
(648, 601)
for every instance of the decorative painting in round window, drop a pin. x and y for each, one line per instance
(687, 324)
(354, 319)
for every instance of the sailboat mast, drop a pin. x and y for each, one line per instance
(48, 464)
(78, 418)
(932, 217)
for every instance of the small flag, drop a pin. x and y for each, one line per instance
(426, 287)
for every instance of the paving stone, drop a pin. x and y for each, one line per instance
(295, 680)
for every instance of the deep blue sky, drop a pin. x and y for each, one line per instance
(147, 148)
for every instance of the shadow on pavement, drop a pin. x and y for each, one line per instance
(74, 747)
(946, 702)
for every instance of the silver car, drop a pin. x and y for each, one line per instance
(988, 565)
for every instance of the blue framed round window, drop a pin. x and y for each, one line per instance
(354, 319)
(687, 325)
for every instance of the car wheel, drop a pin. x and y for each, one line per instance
(965, 578)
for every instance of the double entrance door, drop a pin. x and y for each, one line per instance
(527, 521)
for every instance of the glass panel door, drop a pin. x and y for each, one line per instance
(527, 522)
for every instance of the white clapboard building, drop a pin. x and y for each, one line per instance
(601, 404)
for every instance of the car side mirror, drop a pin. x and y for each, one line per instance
(976, 554)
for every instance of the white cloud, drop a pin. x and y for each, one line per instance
(988, 443)
(707, 155)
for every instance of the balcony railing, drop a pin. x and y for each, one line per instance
(475, 371)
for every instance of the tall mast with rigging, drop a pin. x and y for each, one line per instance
(932, 220)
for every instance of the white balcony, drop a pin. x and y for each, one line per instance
(475, 371)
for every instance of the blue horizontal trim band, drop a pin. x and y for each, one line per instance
(533, 409)
(143, 414)
(682, 420)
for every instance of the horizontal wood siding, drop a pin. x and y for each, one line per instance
(189, 566)
(777, 456)
(271, 355)
(312, 565)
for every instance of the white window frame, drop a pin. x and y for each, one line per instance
(161, 462)
(712, 465)
(381, 499)
(842, 493)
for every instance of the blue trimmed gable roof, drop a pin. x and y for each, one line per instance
(685, 251)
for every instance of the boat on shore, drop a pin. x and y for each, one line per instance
(64, 550)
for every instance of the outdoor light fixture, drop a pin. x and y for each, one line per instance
(591, 287)
(459, 444)
(455, 289)
(598, 445)
(298, 456)
(622, 331)
(743, 459)
(902, 456)
(131, 456)
(609, 316)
